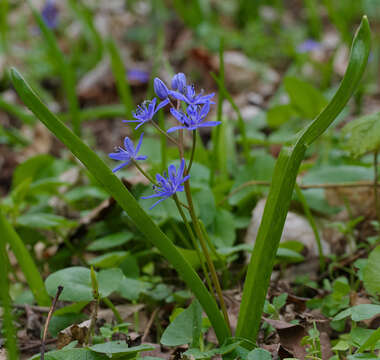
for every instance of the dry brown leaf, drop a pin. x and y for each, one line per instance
(290, 336)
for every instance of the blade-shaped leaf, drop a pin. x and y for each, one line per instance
(271, 227)
(125, 199)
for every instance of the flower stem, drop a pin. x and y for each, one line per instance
(192, 151)
(113, 308)
(376, 197)
(206, 253)
(194, 241)
(139, 168)
(174, 141)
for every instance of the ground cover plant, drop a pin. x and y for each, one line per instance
(225, 202)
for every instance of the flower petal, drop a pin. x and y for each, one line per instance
(117, 168)
(176, 128)
(161, 105)
(139, 144)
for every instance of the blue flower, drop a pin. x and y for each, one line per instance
(169, 185)
(50, 14)
(128, 154)
(189, 96)
(138, 75)
(160, 88)
(146, 111)
(179, 82)
(308, 45)
(194, 119)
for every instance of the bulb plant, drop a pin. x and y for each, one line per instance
(190, 110)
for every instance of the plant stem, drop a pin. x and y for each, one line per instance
(179, 233)
(216, 164)
(109, 303)
(206, 253)
(164, 143)
(174, 141)
(143, 172)
(194, 241)
(241, 123)
(192, 150)
(375, 167)
(52, 308)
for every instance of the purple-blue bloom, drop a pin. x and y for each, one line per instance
(179, 82)
(127, 154)
(50, 14)
(169, 185)
(190, 97)
(138, 75)
(194, 118)
(308, 45)
(146, 111)
(160, 88)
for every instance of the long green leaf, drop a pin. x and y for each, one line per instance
(66, 72)
(119, 74)
(276, 208)
(10, 331)
(28, 267)
(125, 199)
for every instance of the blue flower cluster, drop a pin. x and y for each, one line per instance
(50, 14)
(197, 108)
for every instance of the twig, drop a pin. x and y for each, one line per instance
(52, 308)
(149, 325)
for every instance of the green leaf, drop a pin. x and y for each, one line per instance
(371, 341)
(359, 312)
(110, 241)
(289, 255)
(371, 272)
(31, 168)
(363, 134)
(108, 260)
(118, 349)
(44, 221)
(335, 174)
(76, 282)
(224, 229)
(279, 114)
(109, 281)
(304, 97)
(25, 260)
(85, 192)
(259, 354)
(285, 173)
(72, 354)
(360, 335)
(209, 354)
(131, 288)
(181, 330)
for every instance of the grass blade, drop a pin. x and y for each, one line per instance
(125, 199)
(119, 74)
(10, 331)
(25, 261)
(284, 177)
(66, 72)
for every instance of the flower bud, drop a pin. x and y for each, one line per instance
(160, 88)
(179, 82)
